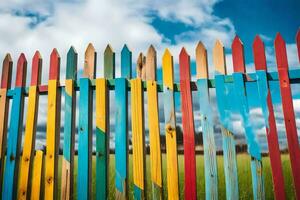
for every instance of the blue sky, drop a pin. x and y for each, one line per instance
(43, 25)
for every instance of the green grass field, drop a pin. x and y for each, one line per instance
(244, 173)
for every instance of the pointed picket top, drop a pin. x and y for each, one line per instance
(21, 71)
(219, 58)
(54, 65)
(71, 70)
(259, 54)
(36, 69)
(126, 62)
(280, 52)
(238, 58)
(109, 62)
(298, 43)
(89, 69)
(151, 64)
(139, 66)
(201, 61)
(6, 72)
(184, 65)
(167, 66)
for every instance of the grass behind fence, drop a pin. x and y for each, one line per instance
(244, 175)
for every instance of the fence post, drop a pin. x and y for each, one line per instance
(11, 170)
(30, 129)
(170, 126)
(53, 128)
(4, 108)
(67, 174)
(210, 158)
(153, 120)
(230, 164)
(190, 185)
(37, 176)
(240, 92)
(268, 113)
(288, 110)
(84, 178)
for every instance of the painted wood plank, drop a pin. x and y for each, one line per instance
(190, 191)
(268, 113)
(229, 153)
(53, 129)
(102, 139)
(298, 43)
(121, 138)
(30, 129)
(10, 181)
(141, 67)
(4, 107)
(138, 138)
(67, 177)
(37, 176)
(210, 159)
(84, 177)
(252, 143)
(154, 129)
(126, 62)
(109, 62)
(288, 110)
(170, 126)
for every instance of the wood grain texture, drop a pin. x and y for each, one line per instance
(109, 62)
(102, 138)
(53, 129)
(210, 159)
(141, 67)
(138, 138)
(288, 110)
(190, 191)
(170, 126)
(268, 113)
(67, 177)
(37, 176)
(154, 129)
(121, 138)
(11, 170)
(90, 61)
(4, 108)
(30, 129)
(230, 163)
(126, 62)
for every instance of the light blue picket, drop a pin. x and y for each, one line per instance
(126, 62)
(121, 138)
(13, 146)
(210, 159)
(84, 141)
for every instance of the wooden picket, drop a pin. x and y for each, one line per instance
(38, 174)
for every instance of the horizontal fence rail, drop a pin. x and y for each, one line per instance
(34, 174)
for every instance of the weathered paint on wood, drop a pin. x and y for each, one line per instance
(4, 108)
(210, 159)
(138, 138)
(109, 63)
(126, 62)
(15, 133)
(268, 113)
(37, 176)
(90, 60)
(121, 138)
(170, 126)
(288, 110)
(240, 92)
(102, 138)
(230, 164)
(154, 131)
(190, 191)
(141, 67)
(67, 177)
(53, 129)
(30, 129)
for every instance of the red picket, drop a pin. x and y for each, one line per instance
(54, 65)
(21, 71)
(190, 191)
(288, 110)
(238, 55)
(36, 69)
(271, 130)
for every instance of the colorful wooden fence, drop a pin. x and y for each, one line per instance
(38, 174)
